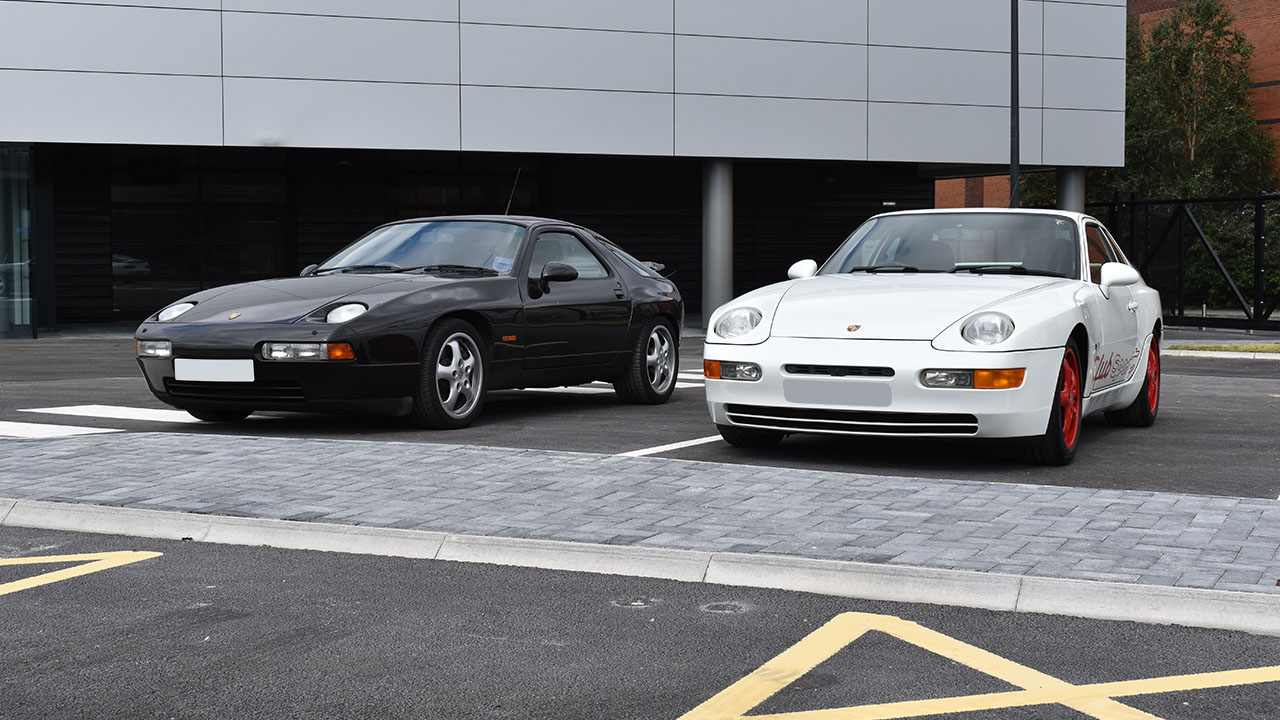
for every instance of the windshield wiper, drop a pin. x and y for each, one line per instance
(453, 268)
(348, 268)
(1005, 268)
(883, 268)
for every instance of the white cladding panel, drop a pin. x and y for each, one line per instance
(315, 113)
(394, 9)
(904, 80)
(839, 21)
(112, 108)
(590, 14)
(333, 48)
(566, 121)
(708, 126)
(770, 68)
(572, 59)
(45, 36)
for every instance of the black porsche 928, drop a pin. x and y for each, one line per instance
(421, 318)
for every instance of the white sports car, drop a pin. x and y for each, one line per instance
(943, 323)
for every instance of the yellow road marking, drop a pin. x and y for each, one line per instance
(1093, 700)
(90, 563)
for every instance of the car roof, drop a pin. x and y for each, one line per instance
(1078, 217)
(522, 220)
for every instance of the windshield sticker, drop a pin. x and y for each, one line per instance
(502, 264)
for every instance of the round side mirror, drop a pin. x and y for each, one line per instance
(803, 269)
(1114, 274)
(308, 270)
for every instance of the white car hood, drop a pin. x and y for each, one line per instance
(890, 306)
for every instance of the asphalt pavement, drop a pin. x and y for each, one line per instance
(1091, 548)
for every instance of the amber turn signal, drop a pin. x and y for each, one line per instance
(711, 369)
(341, 351)
(999, 379)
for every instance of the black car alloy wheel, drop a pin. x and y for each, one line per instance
(451, 387)
(651, 374)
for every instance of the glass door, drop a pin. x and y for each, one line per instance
(16, 304)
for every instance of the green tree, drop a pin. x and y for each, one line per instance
(1190, 129)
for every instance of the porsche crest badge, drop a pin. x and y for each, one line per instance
(853, 328)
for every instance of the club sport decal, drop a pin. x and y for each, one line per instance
(1115, 367)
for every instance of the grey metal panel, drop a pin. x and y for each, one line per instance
(1083, 138)
(938, 76)
(968, 25)
(842, 21)
(770, 68)
(566, 121)
(142, 109)
(398, 9)
(645, 16)
(574, 59)
(709, 126)
(1083, 83)
(334, 48)
(314, 113)
(182, 4)
(49, 36)
(947, 133)
(1093, 30)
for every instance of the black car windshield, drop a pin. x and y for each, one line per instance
(977, 243)
(443, 246)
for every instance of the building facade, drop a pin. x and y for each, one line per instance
(154, 148)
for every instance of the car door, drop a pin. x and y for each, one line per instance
(1116, 348)
(575, 324)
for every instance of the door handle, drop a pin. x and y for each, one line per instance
(1133, 307)
(619, 293)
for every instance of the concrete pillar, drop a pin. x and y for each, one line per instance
(717, 235)
(1071, 189)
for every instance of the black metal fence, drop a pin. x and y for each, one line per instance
(1215, 261)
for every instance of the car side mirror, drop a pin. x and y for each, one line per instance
(308, 270)
(1114, 274)
(552, 272)
(803, 269)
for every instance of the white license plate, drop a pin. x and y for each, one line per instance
(213, 370)
(857, 393)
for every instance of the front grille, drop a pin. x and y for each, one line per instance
(279, 392)
(852, 422)
(839, 370)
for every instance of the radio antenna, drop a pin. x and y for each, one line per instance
(513, 190)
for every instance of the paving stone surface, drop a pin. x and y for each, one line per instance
(1119, 536)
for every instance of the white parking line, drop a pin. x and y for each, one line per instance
(39, 431)
(116, 412)
(672, 446)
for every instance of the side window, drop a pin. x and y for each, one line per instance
(566, 248)
(1099, 251)
(1115, 247)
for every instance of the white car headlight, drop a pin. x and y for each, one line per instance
(989, 328)
(738, 322)
(174, 311)
(343, 313)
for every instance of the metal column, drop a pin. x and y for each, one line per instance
(717, 235)
(1071, 189)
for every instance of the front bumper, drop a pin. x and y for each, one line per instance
(889, 399)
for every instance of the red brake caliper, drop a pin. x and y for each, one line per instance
(1069, 398)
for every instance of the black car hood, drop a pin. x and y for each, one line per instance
(288, 299)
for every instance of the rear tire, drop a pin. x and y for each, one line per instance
(1058, 444)
(1142, 412)
(451, 384)
(750, 437)
(209, 414)
(651, 372)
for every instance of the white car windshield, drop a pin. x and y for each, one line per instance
(979, 243)
(450, 245)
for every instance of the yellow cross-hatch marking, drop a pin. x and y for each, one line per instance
(89, 563)
(1093, 700)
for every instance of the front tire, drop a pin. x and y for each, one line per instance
(1058, 444)
(451, 385)
(750, 437)
(651, 373)
(1142, 413)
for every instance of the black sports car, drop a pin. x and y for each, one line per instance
(422, 317)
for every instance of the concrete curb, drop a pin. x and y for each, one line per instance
(1224, 354)
(1237, 611)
